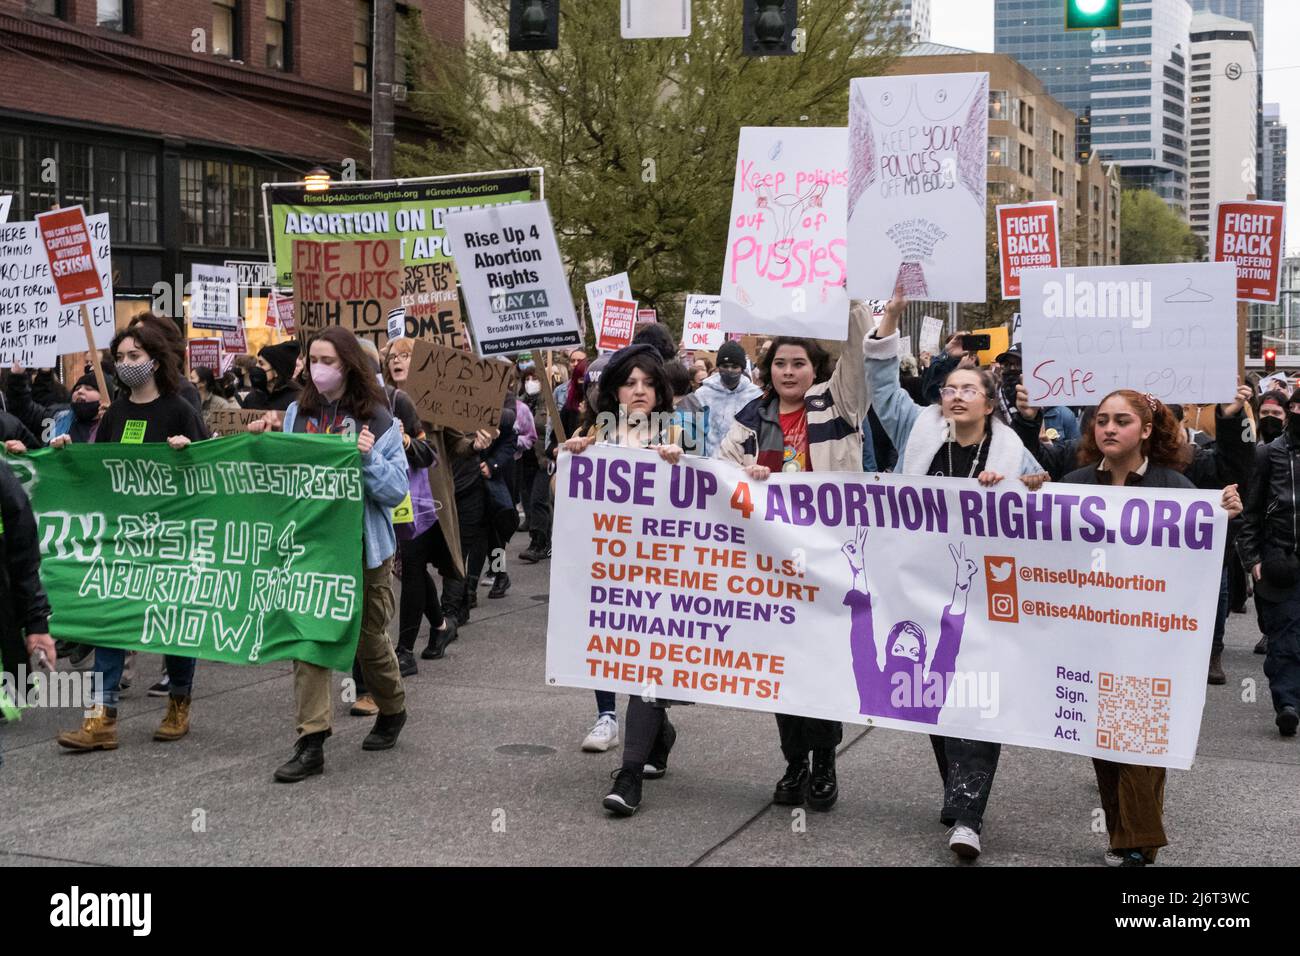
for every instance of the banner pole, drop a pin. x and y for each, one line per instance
(549, 394)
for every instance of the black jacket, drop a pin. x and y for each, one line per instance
(419, 452)
(22, 597)
(1270, 517)
(1156, 476)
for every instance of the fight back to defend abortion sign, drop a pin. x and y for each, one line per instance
(1073, 619)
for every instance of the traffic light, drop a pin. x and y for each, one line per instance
(770, 26)
(1255, 343)
(1093, 14)
(1270, 360)
(534, 24)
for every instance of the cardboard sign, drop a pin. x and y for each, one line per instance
(1167, 330)
(918, 163)
(214, 297)
(232, 421)
(1252, 235)
(931, 338)
(431, 305)
(205, 352)
(650, 19)
(234, 342)
(70, 253)
(616, 325)
(1028, 238)
(784, 272)
(514, 280)
(612, 287)
(702, 327)
(351, 284)
(454, 389)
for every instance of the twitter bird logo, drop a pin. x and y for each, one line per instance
(1000, 572)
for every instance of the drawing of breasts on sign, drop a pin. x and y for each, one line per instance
(786, 264)
(918, 162)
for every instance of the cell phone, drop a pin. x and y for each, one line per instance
(976, 343)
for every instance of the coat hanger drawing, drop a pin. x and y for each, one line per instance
(1187, 295)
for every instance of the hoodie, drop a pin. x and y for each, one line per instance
(722, 404)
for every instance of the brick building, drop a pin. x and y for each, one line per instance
(170, 114)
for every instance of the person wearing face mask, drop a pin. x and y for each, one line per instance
(210, 397)
(28, 418)
(153, 411)
(1272, 417)
(965, 436)
(809, 418)
(723, 394)
(343, 397)
(277, 363)
(1268, 544)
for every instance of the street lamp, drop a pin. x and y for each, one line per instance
(534, 25)
(768, 23)
(1094, 14)
(317, 181)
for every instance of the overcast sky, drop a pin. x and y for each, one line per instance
(969, 24)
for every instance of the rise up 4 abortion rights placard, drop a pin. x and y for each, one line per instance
(1077, 618)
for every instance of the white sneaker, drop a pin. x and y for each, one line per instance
(603, 736)
(964, 841)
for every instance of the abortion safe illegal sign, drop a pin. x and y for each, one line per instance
(785, 265)
(513, 279)
(1027, 239)
(1166, 330)
(918, 161)
(921, 604)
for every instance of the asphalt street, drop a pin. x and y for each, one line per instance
(489, 771)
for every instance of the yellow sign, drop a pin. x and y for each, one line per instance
(405, 512)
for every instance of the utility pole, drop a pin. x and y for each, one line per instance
(384, 52)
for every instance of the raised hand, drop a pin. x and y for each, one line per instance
(966, 567)
(855, 552)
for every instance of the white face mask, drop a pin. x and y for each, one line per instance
(532, 386)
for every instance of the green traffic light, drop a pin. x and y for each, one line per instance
(1093, 14)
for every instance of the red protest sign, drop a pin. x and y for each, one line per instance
(647, 315)
(71, 256)
(1027, 239)
(616, 325)
(233, 341)
(273, 310)
(285, 315)
(1249, 234)
(205, 352)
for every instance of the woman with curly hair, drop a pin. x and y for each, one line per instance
(1135, 441)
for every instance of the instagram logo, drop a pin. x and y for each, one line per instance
(1000, 582)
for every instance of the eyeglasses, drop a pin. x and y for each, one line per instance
(968, 393)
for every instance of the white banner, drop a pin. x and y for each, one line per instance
(785, 266)
(931, 333)
(513, 278)
(1076, 619)
(214, 298)
(1167, 330)
(918, 163)
(612, 287)
(702, 327)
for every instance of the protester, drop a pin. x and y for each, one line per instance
(500, 517)
(278, 364)
(965, 436)
(1267, 545)
(211, 397)
(632, 408)
(342, 396)
(1058, 420)
(689, 416)
(723, 394)
(171, 334)
(460, 595)
(1135, 441)
(153, 411)
(809, 418)
(534, 475)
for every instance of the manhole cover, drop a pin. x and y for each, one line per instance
(525, 750)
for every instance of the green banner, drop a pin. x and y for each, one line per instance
(243, 550)
(407, 211)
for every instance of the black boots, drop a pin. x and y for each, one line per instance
(383, 736)
(307, 761)
(500, 585)
(823, 790)
(439, 639)
(792, 789)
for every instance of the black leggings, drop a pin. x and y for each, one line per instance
(419, 593)
(641, 728)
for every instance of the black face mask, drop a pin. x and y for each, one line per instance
(730, 377)
(1293, 427)
(257, 379)
(1270, 429)
(85, 412)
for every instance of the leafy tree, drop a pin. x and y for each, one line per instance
(638, 138)
(1151, 232)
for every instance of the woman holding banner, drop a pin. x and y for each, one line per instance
(809, 418)
(963, 437)
(152, 411)
(632, 406)
(1135, 441)
(342, 396)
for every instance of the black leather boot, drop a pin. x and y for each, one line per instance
(383, 736)
(792, 789)
(823, 790)
(308, 759)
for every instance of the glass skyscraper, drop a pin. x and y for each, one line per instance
(1128, 86)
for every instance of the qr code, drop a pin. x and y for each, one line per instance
(1133, 713)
